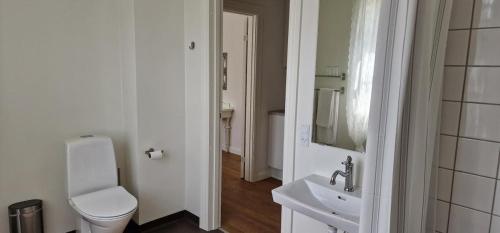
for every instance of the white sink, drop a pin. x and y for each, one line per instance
(313, 196)
(226, 113)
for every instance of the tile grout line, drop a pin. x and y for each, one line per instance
(473, 28)
(494, 193)
(470, 102)
(473, 66)
(469, 173)
(467, 207)
(471, 138)
(460, 112)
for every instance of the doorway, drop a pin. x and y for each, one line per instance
(252, 94)
(238, 89)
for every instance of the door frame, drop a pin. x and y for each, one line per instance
(212, 64)
(253, 80)
(249, 95)
(394, 44)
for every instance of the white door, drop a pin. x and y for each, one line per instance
(235, 28)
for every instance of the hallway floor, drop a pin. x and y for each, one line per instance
(247, 207)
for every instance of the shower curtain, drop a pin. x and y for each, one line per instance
(419, 145)
(360, 69)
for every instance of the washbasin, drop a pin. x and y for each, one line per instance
(313, 196)
(227, 111)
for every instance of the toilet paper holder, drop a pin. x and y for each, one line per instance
(148, 152)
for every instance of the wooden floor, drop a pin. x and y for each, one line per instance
(247, 207)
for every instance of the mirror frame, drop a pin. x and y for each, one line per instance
(344, 140)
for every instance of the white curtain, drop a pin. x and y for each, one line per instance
(360, 68)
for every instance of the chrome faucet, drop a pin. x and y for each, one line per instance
(347, 174)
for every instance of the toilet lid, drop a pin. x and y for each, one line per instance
(106, 203)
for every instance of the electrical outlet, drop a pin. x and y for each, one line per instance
(305, 135)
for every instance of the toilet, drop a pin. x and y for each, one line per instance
(92, 185)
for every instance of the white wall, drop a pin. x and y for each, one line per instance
(159, 42)
(62, 65)
(130, 101)
(234, 30)
(68, 69)
(194, 13)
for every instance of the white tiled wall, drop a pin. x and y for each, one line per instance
(456, 48)
(469, 185)
(482, 85)
(466, 220)
(454, 78)
(477, 157)
(450, 118)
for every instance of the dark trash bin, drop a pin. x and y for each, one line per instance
(26, 217)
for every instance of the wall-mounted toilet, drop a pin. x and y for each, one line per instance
(92, 184)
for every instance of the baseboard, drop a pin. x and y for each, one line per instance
(234, 150)
(261, 175)
(277, 174)
(133, 227)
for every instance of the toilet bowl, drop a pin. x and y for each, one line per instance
(104, 211)
(100, 204)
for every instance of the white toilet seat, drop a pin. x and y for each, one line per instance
(92, 184)
(105, 205)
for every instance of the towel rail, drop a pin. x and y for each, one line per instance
(341, 90)
(342, 76)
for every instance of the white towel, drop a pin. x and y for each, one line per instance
(327, 113)
(324, 108)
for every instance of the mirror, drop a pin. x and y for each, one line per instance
(345, 57)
